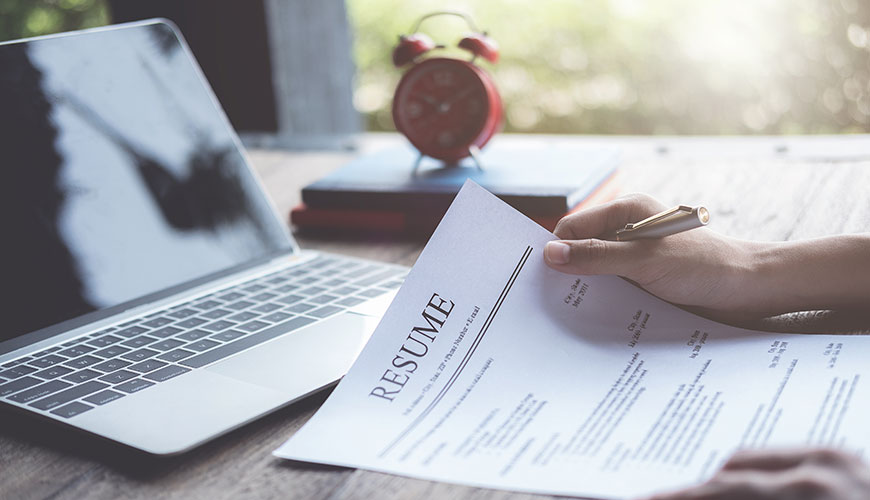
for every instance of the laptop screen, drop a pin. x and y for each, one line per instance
(120, 176)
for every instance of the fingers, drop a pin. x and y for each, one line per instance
(765, 459)
(770, 460)
(593, 256)
(775, 474)
(603, 219)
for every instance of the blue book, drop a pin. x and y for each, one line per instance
(535, 177)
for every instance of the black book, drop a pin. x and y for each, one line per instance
(536, 177)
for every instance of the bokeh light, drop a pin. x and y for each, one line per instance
(640, 67)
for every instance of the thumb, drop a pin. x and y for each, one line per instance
(591, 256)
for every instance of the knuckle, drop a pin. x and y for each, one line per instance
(594, 251)
(562, 229)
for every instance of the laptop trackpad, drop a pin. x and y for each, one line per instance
(304, 360)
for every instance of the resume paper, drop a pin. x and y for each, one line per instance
(491, 369)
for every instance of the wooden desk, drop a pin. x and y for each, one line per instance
(759, 188)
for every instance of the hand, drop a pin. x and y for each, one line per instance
(697, 268)
(723, 278)
(819, 474)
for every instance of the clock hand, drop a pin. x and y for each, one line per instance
(453, 100)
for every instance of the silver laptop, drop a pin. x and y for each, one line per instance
(150, 293)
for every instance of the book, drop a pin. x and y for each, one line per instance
(417, 223)
(537, 178)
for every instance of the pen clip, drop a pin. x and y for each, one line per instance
(659, 217)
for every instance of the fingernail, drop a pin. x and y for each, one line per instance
(557, 252)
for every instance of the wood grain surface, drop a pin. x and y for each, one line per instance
(759, 188)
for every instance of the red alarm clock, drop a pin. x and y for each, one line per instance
(447, 108)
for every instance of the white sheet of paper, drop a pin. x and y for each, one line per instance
(491, 369)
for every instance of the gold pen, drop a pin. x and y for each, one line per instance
(671, 221)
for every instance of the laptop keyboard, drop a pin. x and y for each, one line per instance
(96, 369)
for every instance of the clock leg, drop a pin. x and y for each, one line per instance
(474, 152)
(417, 164)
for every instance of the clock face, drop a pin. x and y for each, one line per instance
(444, 106)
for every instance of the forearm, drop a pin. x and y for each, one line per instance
(824, 273)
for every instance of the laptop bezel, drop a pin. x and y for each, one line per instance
(26, 339)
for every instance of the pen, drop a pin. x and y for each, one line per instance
(671, 221)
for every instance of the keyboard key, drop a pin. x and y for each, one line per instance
(372, 292)
(104, 341)
(208, 304)
(286, 288)
(18, 385)
(158, 322)
(290, 299)
(231, 296)
(166, 331)
(139, 355)
(243, 316)
(176, 355)
(350, 264)
(118, 376)
(134, 385)
(312, 291)
(275, 317)
(12, 363)
(53, 372)
(131, 331)
(254, 288)
(216, 313)
(183, 313)
(103, 397)
(307, 280)
(165, 345)
(216, 326)
(378, 277)
(201, 345)
(227, 335)
(167, 373)
(147, 366)
(324, 311)
(193, 335)
(40, 391)
(263, 297)
(245, 342)
(266, 308)
(74, 351)
(111, 365)
(276, 280)
(139, 341)
(111, 351)
(362, 271)
(191, 322)
(392, 284)
(253, 326)
(47, 361)
(82, 376)
(242, 304)
(322, 299)
(300, 308)
(83, 361)
(71, 410)
(350, 301)
(68, 395)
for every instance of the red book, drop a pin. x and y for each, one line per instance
(357, 221)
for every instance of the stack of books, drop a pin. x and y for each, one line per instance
(383, 193)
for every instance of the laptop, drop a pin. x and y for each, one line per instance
(151, 294)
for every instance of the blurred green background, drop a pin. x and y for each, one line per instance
(611, 66)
